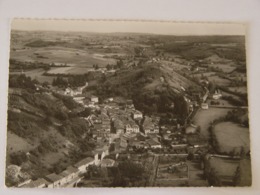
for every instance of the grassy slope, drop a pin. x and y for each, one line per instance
(28, 132)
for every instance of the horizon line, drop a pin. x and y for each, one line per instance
(127, 32)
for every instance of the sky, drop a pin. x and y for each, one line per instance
(109, 26)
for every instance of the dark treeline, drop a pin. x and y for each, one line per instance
(73, 80)
(22, 81)
(21, 65)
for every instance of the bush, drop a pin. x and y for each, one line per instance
(18, 158)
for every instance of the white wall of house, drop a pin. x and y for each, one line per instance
(156, 146)
(57, 184)
(137, 115)
(94, 99)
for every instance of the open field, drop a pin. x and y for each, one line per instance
(207, 74)
(61, 55)
(224, 67)
(223, 167)
(218, 80)
(231, 137)
(175, 65)
(171, 168)
(195, 172)
(224, 93)
(242, 89)
(180, 172)
(37, 74)
(203, 118)
(225, 170)
(245, 172)
(224, 45)
(221, 102)
(192, 175)
(216, 58)
(17, 144)
(69, 70)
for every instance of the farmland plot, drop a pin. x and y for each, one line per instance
(203, 118)
(231, 137)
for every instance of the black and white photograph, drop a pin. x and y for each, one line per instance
(127, 103)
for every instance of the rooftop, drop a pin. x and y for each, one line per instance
(84, 161)
(53, 177)
(69, 171)
(35, 183)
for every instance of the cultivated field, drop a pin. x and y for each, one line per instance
(231, 137)
(219, 81)
(207, 74)
(223, 167)
(227, 68)
(180, 172)
(225, 170)
(245, 172)
(61, 55)
(203, 118)
(216, 59)
(232, 95)
(69, 70)
(242, 89)
(190, 174)
(195, 172)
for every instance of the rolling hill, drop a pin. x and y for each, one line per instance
(44, 131)
(151, 86)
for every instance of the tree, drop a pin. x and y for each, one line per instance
(18, 158)
(92, 171)
(95, 66)
(190, 156)
(119, 63)
(128, 174)
(60, 81)
(45, 84)
(237, 177)
(213, 178)
(109, 67)
(61, 115)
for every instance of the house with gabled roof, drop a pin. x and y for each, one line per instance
(39, 183)
(55, 181)
(83, 164)
(137, 115)
(69, 174)
(154, 144)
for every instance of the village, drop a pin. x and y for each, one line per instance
(121, 130)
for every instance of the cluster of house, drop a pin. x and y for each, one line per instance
(125, 121)
(216, 95)
(74, 92)
(132, 142)
(114, 122)
(151, 125)
(79, 96)
(72, 175)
